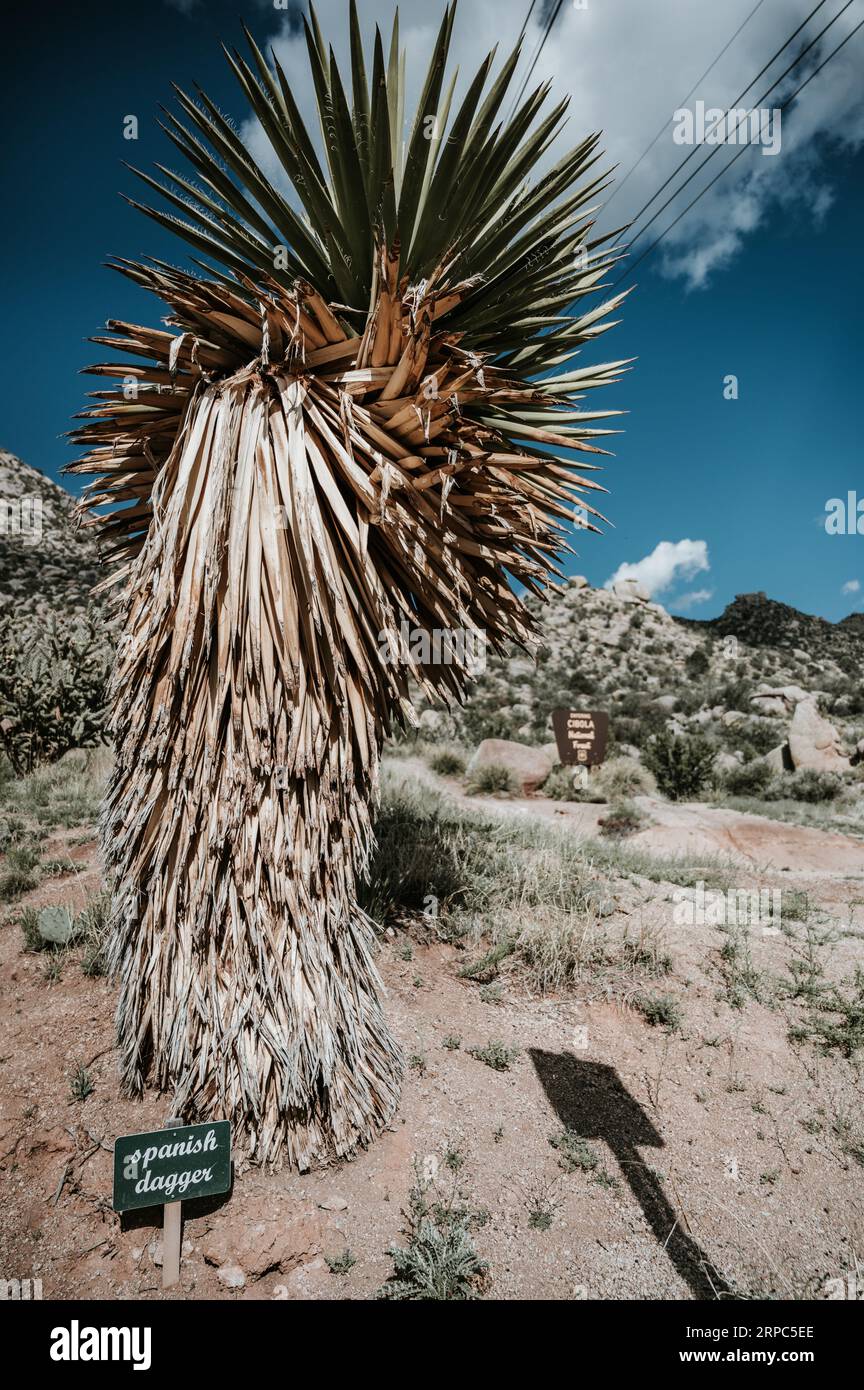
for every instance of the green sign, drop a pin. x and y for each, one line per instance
(172, 1165)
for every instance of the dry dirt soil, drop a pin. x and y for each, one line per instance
(728, 1160)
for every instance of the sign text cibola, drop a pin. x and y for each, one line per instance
(581, 735)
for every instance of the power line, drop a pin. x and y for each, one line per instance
(716, 148)
(759, 74)
(526, 21)
(743, 150)
(548, 30)
(697, 83)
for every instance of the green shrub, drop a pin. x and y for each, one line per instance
(20, 873)
(623, 818)
(495, 1055)
(561, 785)
(660, 1010)
(683, 765)
(439, 1262)
(575, 1154)
(447, 763)
(698, 663)
(622, 777)
(809, 785)
(53, 686)
(493, 779)
(751, 779)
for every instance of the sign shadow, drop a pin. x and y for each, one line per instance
(591, 1101)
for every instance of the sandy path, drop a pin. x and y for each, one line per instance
(683, 828)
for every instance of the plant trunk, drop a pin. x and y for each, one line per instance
(238, 817)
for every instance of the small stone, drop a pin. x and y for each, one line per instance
(231, 1276)
(333, 1204)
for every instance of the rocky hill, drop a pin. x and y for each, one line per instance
(45, 563)
(763, 622)
(738, 678)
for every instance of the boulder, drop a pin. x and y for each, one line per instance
(628, 750)
(631, 591)
(436, 723)
(780, 759)
(813, 742)
(578, 581)
(726, 762)
(780, 700)
(262, 1235)
(733, 717)
(770, 705)
(530, 766)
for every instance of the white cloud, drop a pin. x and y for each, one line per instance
(669, 562)
(695, 596)
(627, 67)
(852, 586)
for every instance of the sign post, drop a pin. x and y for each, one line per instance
(166, 1168)
(172, 1233)
(581, 736)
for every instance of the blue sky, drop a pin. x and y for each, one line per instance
(779, 305)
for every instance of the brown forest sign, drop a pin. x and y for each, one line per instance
(581, 735)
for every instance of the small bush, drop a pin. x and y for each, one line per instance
(493, 779)
(752, 779)
(837, 1023)
(809, 785)
(660, 1010)
(342, 1263)
(698, 663)
(53, 686)
(447, 763)
(575, 1154)
(623, 777)
(80, 1084)
(495, 1055)
(561, 785)
(484, 970)
(20, 872)
(93, 924)
(623, 818)
(439, 1262)
(683, 764)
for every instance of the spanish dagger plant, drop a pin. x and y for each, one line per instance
(351, 423)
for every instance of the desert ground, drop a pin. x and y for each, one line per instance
(608, 1101)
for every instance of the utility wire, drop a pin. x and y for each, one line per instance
(743, 150)
(548, 30)
(526, 21)
(759, 74)
(716, 147)
(697, 83)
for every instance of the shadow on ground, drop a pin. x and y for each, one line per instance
(591, 1101)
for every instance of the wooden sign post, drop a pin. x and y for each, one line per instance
(172, 1232)
(581, 735)
(168, 1167)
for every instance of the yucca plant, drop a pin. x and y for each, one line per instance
(351, 427)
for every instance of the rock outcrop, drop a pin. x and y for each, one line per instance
(814, 742)
(529, 766)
